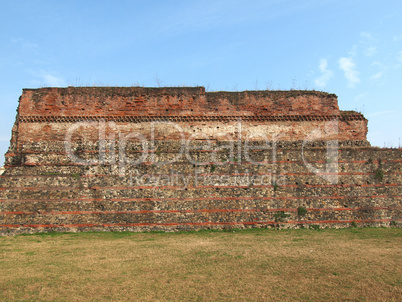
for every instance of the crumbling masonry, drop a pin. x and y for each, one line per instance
(132, 158)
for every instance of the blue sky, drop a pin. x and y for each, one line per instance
(350, 48)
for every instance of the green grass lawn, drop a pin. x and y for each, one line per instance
(248, 265)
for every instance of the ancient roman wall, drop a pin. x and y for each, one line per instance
(194, 160)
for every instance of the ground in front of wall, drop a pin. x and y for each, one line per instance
(248, 265)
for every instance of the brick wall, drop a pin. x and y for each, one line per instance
(212, 160)
(136, 101)
(46, 114)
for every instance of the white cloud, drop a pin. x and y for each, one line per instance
(349, 69)
(382, 68)
(25, 44)
(398, 63)
(361, 97)
(370, 51)
(48, 79)
(368, 43)
(377, 75)
(366, 35)
(326, 74)
(52, 80)
(397, 38)
(380, 113)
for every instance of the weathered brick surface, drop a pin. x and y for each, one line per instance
(46, 114)
(216, 130)
(136, 101)
(203, 162)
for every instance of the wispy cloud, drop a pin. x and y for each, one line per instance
(47, 78)
(397, 38)
(25, 44)
(377, 75)
(370, 51)
(380, 113)
(398, 63)
(368, 42)
(349, 69)
(326, 74)
(366, 45)
(52, 80)
(359, 98)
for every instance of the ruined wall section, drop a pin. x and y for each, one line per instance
(317, 159)
(188, 101)
(46, 114)
(216, 129)
(51, 192)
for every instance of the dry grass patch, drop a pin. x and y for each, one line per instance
(250, 265)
